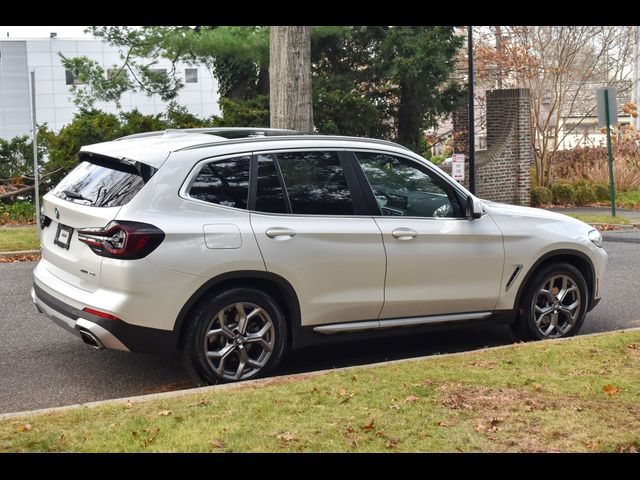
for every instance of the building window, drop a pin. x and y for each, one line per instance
(191, 75)
(113, 73)
(71, 79)
(157, 72)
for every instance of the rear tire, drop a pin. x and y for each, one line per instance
(554, 304)
(239, 334)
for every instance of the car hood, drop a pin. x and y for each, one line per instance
(502, 213)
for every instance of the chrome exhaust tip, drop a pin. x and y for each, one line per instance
(91, 340)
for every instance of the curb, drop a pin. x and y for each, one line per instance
(267, 381)
(19, 253)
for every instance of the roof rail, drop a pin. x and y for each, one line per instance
(140, 135)
(232, 135)
(224, 132)
(238, 132)
(293, 137)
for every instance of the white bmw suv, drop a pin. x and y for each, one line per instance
(234, 245)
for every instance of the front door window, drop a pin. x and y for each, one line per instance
(403, 188)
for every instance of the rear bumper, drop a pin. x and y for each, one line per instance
(72, 320)
(113, 334)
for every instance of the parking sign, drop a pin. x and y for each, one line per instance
(457, 166)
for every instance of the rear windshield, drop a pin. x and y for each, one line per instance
(100, 183)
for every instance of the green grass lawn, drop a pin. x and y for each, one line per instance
(582, 395)
(608, 219)
(18, 238)
(628, 199)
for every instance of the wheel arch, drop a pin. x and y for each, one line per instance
(276, 286)
(573, 257)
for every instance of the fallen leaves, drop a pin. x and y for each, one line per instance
(164, 413)
(607, 227)
(152, 433)
(20, 258)
(628, 449)
(392, 443)
(369, 426)
(347, 396)
(215, 443)
(346, 399)
(593, 446)
(633, 350)
(287, 437)
(25, 427)
(456, 401)
(495, 421)
(490, 426)
(484, 364)
(610, 389)
(200, 403)
(411, 399)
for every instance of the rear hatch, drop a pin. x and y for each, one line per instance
(91, 195)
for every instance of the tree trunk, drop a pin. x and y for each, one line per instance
(290, 78)
(408, 118)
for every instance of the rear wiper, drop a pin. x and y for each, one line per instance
(72, 194)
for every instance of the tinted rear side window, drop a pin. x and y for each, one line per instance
(100, 185)
(269, 192)
(225, 182)
(315, 183)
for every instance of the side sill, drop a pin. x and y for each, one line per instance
(398, 323)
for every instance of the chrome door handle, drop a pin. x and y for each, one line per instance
(274, 232)
(404, 233)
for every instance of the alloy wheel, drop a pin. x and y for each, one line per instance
(239, 340)
(557, 306)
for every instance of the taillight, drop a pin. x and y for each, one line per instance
(122, 239)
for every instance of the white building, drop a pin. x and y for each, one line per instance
(54, 101)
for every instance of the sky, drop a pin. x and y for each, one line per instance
(42, 31)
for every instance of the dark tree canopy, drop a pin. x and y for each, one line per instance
(391, 81)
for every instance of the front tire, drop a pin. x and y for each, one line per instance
(554, 304)
(237, 335)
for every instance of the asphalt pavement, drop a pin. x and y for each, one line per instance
(41, 365)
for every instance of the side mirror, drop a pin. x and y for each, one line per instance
(474, 210)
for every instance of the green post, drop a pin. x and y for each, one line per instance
(612, 190)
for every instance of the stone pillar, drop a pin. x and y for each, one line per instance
(504, 172)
